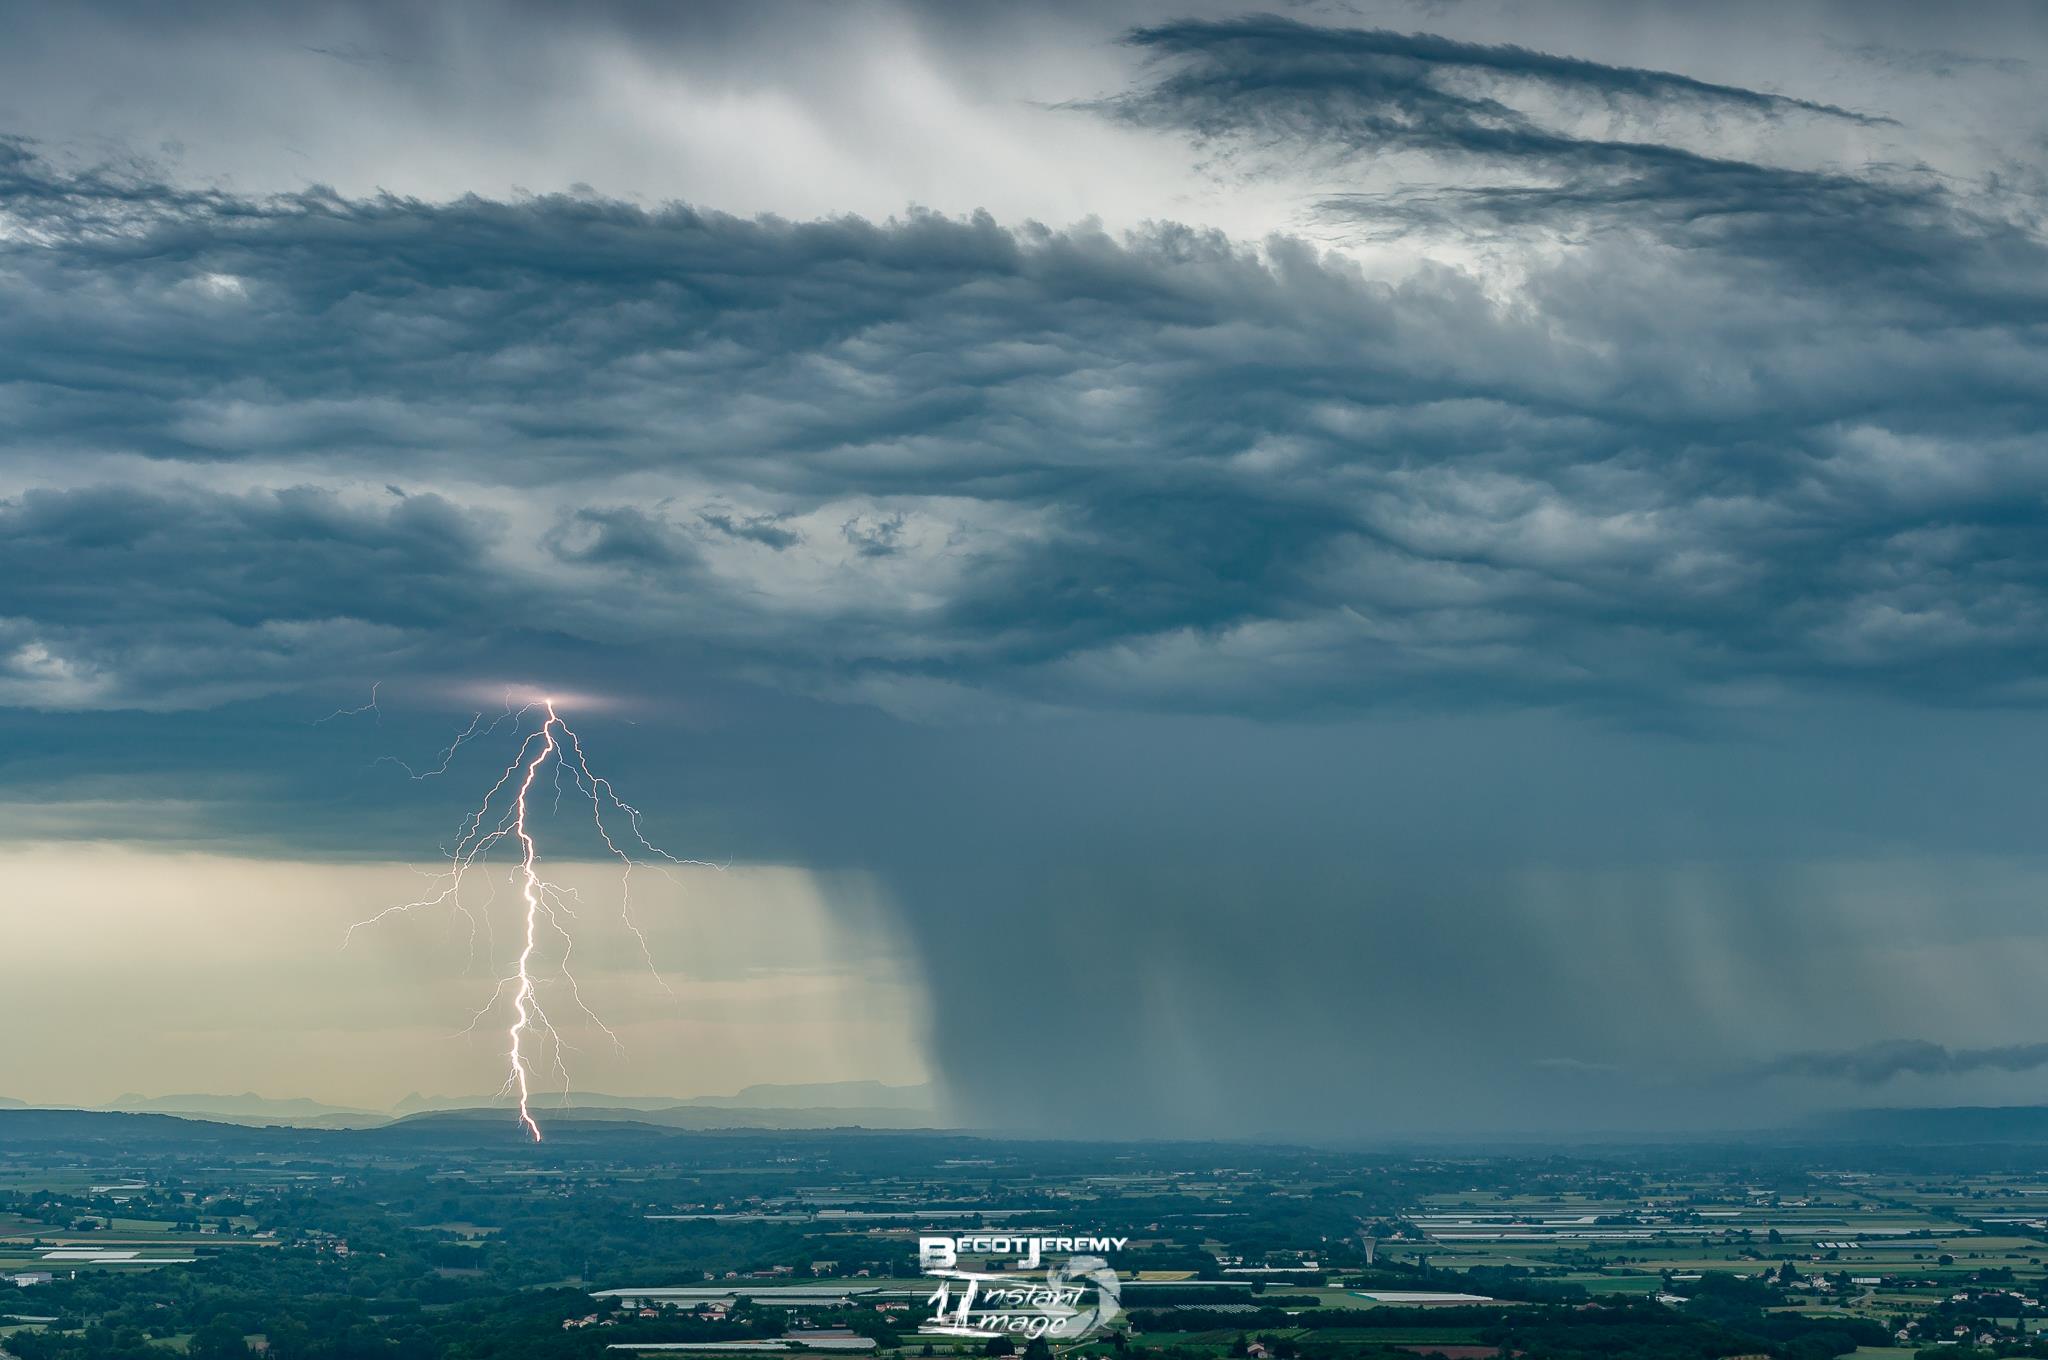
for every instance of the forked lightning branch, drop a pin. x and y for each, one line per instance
(505, 820)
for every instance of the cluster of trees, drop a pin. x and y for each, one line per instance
(1720, 1322)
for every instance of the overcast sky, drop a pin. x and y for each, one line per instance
(1374, 569)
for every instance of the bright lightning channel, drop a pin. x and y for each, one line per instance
(545, 905)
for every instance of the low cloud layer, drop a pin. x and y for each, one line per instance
(1525, 144)
(1281, 82)
(931, 460)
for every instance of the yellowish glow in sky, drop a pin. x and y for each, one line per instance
(158, 973)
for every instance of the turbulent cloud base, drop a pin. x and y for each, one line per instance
(946, 456)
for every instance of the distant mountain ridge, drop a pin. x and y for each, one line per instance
(1937, 1124)
(246, 1105)
(822, 1095)
(817, 1095)
(765, 1105)
(702, 1118)
(454, 1139)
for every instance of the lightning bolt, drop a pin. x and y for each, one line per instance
(370, 707)
(525, 1004)
(501, 818)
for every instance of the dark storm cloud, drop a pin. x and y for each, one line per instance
(1281, 81)
(617, 536)
(878, 538)
(765, 529)
(206, 596)
(1332, 95)
(1876, 1063)
(1158, 470)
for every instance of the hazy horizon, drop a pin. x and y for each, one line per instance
(422, 1100)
